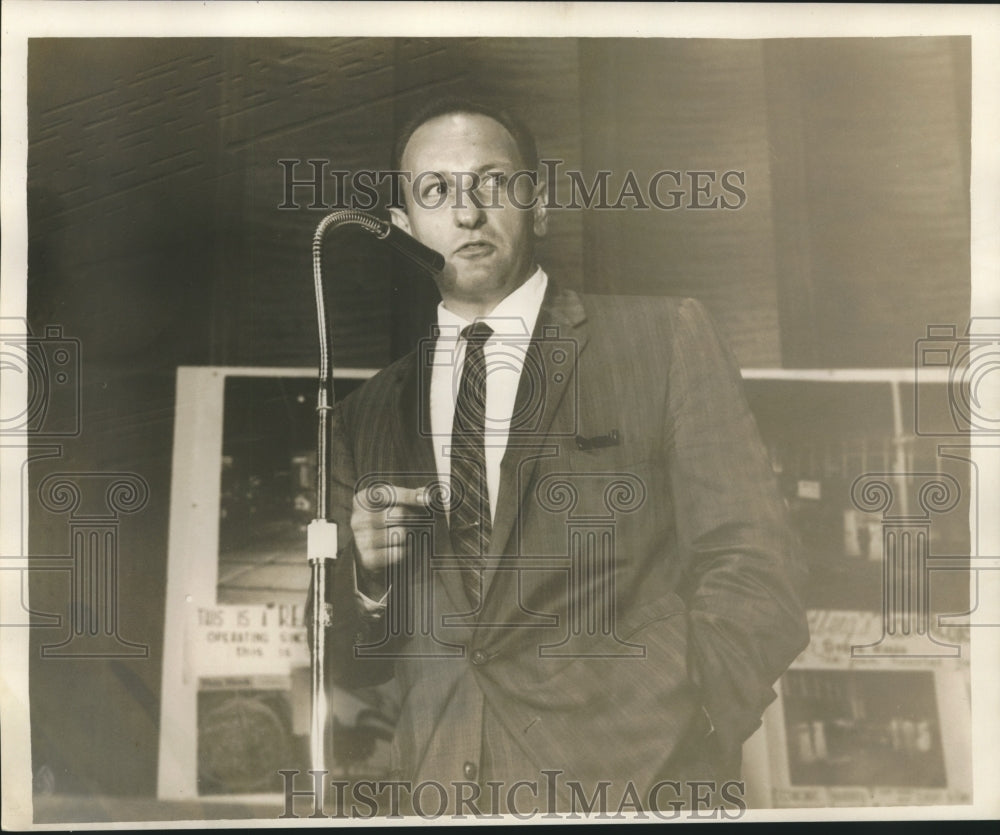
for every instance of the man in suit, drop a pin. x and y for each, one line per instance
(561, 533)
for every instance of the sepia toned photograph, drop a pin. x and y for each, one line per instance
(415, 420)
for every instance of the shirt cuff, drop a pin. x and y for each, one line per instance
(711, 726)
(371, 607)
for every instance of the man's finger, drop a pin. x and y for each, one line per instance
(388, 496)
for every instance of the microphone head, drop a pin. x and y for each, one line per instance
(427, 259)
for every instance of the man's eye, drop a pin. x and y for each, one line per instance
(436, 189)
(496, 178)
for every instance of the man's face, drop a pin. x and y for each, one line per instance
(488, 252)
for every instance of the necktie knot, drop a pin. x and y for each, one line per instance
(477, 333)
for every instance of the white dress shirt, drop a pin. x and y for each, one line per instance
(512, 321)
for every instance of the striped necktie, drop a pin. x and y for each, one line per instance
(469, 512)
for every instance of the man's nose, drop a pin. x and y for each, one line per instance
(468, 215)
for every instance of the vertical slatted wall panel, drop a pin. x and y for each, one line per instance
(652, 105)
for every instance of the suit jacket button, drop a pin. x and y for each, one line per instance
(469, 770)
(479, 657)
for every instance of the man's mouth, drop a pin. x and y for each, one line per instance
(475, 249)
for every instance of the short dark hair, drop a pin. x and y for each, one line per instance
(447, 105)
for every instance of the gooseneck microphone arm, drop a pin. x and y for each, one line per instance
(322, 532)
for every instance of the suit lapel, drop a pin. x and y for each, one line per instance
(416, 453)
(550, 371)
(416, 443)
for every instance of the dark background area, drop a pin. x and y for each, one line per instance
(156, 241)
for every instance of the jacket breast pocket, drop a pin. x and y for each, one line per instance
(623, 457)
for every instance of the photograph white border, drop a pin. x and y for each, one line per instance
(22, 19)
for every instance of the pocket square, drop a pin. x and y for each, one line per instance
(613, 438)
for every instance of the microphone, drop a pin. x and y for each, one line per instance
(423, 256)
(321, 546)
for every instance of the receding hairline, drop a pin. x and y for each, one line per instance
(440, 107)
(458, 111)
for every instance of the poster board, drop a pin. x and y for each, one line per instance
(235, 706)
(889, 730)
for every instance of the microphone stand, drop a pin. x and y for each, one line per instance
(321, 546)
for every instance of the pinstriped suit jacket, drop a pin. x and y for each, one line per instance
(630, 585)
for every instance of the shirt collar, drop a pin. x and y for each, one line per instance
(515, 315)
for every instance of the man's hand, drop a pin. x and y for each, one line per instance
(379, 520)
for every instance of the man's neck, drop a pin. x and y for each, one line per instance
(472, 309)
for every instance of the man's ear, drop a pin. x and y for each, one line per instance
(539, 211)
(399, 218)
